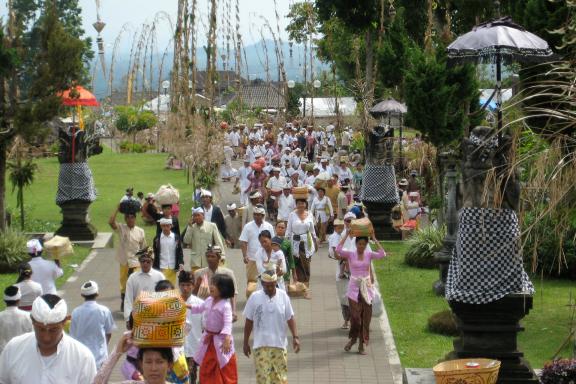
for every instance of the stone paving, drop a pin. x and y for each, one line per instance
(322, 358)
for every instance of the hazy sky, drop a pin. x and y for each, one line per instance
(117, 13)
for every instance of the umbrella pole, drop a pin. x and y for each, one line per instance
(73, 134)
(499, 91)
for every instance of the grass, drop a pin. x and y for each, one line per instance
(407, 294)
(113, 173)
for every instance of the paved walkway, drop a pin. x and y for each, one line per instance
(322, 358)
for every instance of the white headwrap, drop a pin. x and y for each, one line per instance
(197, 210)
(205, 193)
(34, 246)
(269, 276)
(231, 207)
(15, 297)
(165, 221)
(89, 288)
(42, 313)
(259, 210)
(349, 215)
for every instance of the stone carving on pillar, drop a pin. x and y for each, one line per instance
(76, 189)
(487, 288)
(443, 256)
(379, 189)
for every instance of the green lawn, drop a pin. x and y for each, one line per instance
(112, 172)
(409, 300)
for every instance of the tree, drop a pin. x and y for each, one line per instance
(132, 120)
(442, 102)
(21, 176)
(28, 89)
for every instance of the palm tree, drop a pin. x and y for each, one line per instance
(21, 176)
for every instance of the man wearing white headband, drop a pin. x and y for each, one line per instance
(47, 355)
(255, 199)
(233, 226)
(250, 243)
(13, 321)
(168, 253)
(44, 272)
(92, 324)
(131, 238)
(198, 236)
(268, 313)
(213, 213)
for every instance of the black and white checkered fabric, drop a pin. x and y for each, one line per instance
(75, 182)
(486, 262)
(379, 184)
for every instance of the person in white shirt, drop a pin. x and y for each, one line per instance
(342, 272)
(92, 324)
(286, 156)
(193, 322)
(268, 258)
(268, 313)
(274, 188)
(325, 167)
(168, 253)
(295, 181)
(297, 158)
(323, 212)
(242, 181)
(250, 243)
(344, 172)
(29, 289)
(286, 203)
(302, 173)
(251, 151)
(345, 140)
(13, 321)
(143, 280)
(47, 355)
(44, 272)
(287, 170)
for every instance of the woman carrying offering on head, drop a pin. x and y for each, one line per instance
(361, 288)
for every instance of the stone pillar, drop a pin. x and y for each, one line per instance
(490, 331)
(443, 256)
(379, 214)
(76, 221)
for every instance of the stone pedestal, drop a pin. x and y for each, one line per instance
(490, 331)
(442, 258)
(76, 221)
(379, 214)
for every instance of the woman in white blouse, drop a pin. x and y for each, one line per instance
(322, 211)
(268, 259)
(301, 232)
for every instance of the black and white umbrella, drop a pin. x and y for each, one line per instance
(497, 41)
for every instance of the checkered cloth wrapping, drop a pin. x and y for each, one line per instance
(379, 184)
(75, 182)
(486, 262)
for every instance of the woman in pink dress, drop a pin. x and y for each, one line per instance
(360, 288)
(258, 182)
(216, 356)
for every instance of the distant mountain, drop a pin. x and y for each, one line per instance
(254, 64)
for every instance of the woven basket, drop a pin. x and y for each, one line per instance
(467, 371)
(159, 319)
(361, 228)
(300, 193)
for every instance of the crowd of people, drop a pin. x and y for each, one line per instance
(297, 193)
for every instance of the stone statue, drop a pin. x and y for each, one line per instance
(380, 148)
(488, 178)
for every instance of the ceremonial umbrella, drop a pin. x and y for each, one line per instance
(75, 97)
(496, 41)
(387, 108)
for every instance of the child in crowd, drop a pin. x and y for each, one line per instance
(193, 322)
(342, 271)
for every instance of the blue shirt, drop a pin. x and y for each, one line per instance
(90, 324)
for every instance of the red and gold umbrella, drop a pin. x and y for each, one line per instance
(78, 96)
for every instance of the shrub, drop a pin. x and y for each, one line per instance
(559, 372)
(443, 323)
(33, 224)
(12, 250)
(422, 246)
(126, 146)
